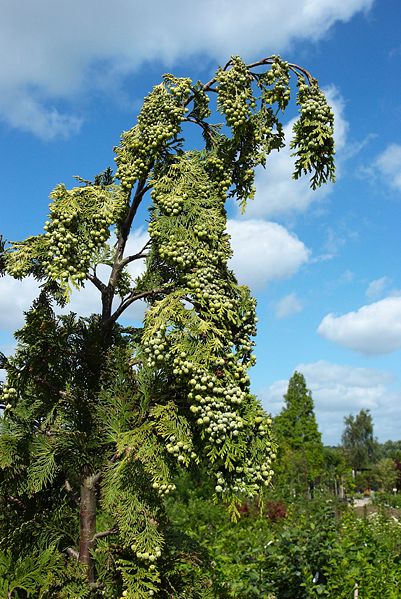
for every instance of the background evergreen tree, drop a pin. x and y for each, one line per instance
(98, 418)
(301, 455)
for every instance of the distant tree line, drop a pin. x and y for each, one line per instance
(359, 463)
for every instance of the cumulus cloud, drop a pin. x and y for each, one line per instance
(264, 251)
(7, 347)
(389, 165)
(53, 51)
(376, 287)
(277, 193)
(27, 113)
(339, 390)
(135, 243)
(15, 298)
(289, 304)
(373, 329)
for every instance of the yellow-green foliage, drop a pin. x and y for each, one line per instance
(129, 407)
(77, 229)
(200, 334)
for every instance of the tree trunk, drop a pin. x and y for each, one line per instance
(87, 524)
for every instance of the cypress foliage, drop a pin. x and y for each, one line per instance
(99, 418)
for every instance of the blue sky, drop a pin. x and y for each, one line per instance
(325, 266)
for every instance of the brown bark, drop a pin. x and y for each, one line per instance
(108, 291)
(87, 523)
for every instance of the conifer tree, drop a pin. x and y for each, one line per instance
(301, 455)
(97, 417)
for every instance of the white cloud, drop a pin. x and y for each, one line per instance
(264, 251)
(7, 347)
(15, 298)
(389, 165)
(289, 304)
(339, 390)
(276, 192)
(376, 287)
(26, 113)
(53, 51)
(135, 243)
(323, 373)
(373, 329)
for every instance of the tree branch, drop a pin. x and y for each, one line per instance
(97, 282)
(3, 361)
(137, 256)
(205, 126)
(133, 298)
(293, 67)
(69, 489)
(72, 553)
(129, 259)
(16, 501)
(141, 189)
(53, 389)
(108, 291)
(265, 61)
(104, 533)
(97, 585)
